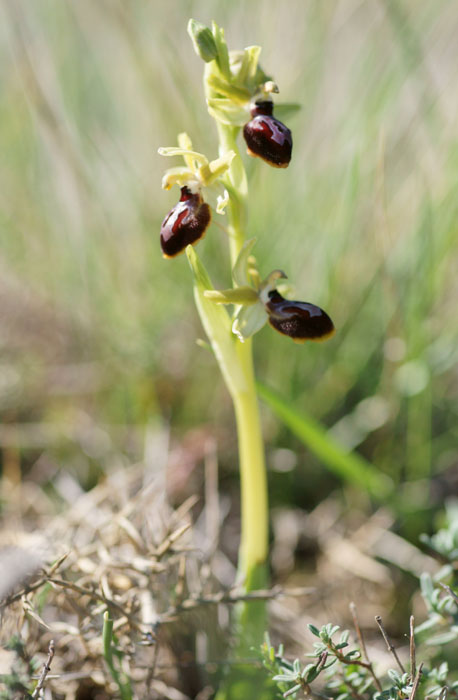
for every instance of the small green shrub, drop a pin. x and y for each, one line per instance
(343, 671)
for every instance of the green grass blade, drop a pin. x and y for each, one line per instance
(121, 680)
(347, 465)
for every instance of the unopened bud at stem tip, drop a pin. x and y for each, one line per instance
(203, 40)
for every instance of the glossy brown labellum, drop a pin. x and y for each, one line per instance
(185, 224)
(267, 137)
(298, 319)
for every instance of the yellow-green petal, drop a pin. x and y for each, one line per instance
(240, 295)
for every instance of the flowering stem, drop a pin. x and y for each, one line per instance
(254, 539)
(254, 504)
(239, 189)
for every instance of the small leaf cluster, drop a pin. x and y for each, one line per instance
(444, 542)
(326, 643)
(353, 677)
(291, 677)
(441, 626)
(437, 683)
(401, 686)
(352, 681)
(348, 675)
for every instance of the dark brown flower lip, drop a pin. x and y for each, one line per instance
(299, 320)
(185, 224)
(265, 107)
(269, 139)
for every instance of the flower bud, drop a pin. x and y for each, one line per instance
(298, 319)
(203, 40)
(267, 137)
(185, 224)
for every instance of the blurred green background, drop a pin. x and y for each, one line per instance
(97, 332)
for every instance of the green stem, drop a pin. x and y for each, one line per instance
(254, 536)
(238, 189)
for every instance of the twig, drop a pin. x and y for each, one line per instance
(322, 661)
(170, 540)
(98, 596)
(352, 662)
(413, 664)
(358, 630)
(449, 591)
(390, 647)
(152, 668)
(444, 693)
(181, 579)
(29, 588)
(57, 564)
(46, 669)
(24, 591)
(416, 682)
(231, 597)
(363, 646)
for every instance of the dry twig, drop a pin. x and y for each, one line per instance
(416, 682)
(413, 663)
(389, 646)
(363, 646)
(46, 669)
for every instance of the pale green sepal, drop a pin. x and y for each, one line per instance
(240, 295)
(177, 176)
(222, 57)
(211, 172)
(236, 183)
(239, 95)
(184, 142)
(175, 151)
(236, 57)
(249, 320)
(203, 40)
(240, 269)
(249, 65)
(217, 325)
(227, 112)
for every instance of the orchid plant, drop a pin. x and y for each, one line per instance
(239, 98)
